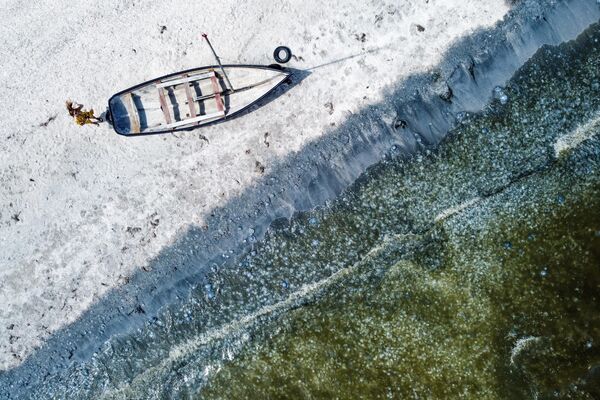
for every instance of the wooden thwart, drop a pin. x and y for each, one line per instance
(133, 113)
(190, 100)
(217, 93)
(163, 105)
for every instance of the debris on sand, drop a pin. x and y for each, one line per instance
(329, 107)
(50, 119)
(361, 37)
(259, 168)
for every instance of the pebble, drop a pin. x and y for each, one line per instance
(209, 291)
(500, 95)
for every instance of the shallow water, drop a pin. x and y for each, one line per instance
(469, 272)
(505, 313)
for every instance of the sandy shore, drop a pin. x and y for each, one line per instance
(83, 209)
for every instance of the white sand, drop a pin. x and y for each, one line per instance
(83, 208)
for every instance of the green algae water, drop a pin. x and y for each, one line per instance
(508, 313)
(469, 272)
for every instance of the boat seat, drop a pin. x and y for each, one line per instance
(163, 104)
(134, 117)
(190, 100)
(217, 93)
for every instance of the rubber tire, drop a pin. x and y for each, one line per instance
(286, 58)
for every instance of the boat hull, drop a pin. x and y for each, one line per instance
(189, 99)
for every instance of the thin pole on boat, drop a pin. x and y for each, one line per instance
(205, 36)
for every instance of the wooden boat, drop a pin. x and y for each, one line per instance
(191, 98)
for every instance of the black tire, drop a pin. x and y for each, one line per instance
(287, 56)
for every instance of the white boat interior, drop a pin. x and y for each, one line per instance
(193, 98)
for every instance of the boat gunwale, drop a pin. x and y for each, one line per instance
(155, 80)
